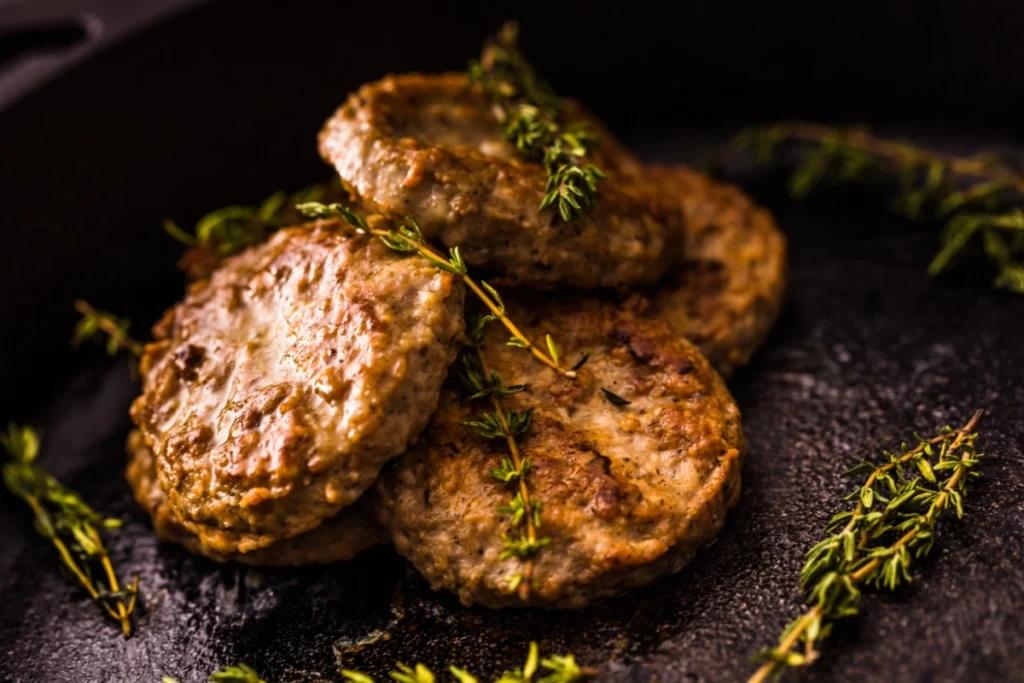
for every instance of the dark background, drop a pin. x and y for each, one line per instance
(220, 104)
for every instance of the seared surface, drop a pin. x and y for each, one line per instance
(428, 146)
(629, 493)
(339, 538)
(277, 389)
(728, 291)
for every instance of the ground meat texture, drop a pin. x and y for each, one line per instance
(275, 392)
(629, 493)
(337, 539)
(428, 146)
(728, 291)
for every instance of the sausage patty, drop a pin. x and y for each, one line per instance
(339, 538)
(429, 146)
(729, 289)
(275, 392)
(628, 492)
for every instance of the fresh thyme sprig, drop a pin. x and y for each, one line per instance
(524, 509)
(874, 544)
(93, 323)
(528, 111)
(979, 199)
(560, 668)
(231, 229)
(408, 238)
(71, 525)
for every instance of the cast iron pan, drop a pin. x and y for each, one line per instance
(221, 104)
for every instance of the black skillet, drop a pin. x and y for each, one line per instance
(220, 104)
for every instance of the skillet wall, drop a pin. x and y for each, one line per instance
(221, 104)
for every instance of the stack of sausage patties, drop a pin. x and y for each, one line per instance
(309, 398)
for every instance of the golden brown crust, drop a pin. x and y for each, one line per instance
(428, 146)
(275, 392)
(339, 538)
(629, 493)
(729, 289)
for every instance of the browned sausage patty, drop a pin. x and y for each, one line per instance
(339, 538)
(629, 493)
(729, 289)
(277, 389)
(428, 146)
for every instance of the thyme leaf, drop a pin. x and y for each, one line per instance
(614, 398)
(239, 673)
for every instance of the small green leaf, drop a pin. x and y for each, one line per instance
(408, 674)
(239, 673)
(614, 398)
(461, 675)
(172, 229)
(356, 676)
(494, 295)
(925, 468)
(532, 657)
(552, 348)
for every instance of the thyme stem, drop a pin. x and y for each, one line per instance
(899, 152)
(100, 321)
(523, 589)
(499, 313)
(408, 238)
(122, 610)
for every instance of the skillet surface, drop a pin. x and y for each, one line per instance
(189, 116)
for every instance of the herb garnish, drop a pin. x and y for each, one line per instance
(408, 238)
(93, 323)
(231, 229)
(979, 199)
(874, 544)
(500, 423)
(561, 668)
(528, 111)
(71, 525)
